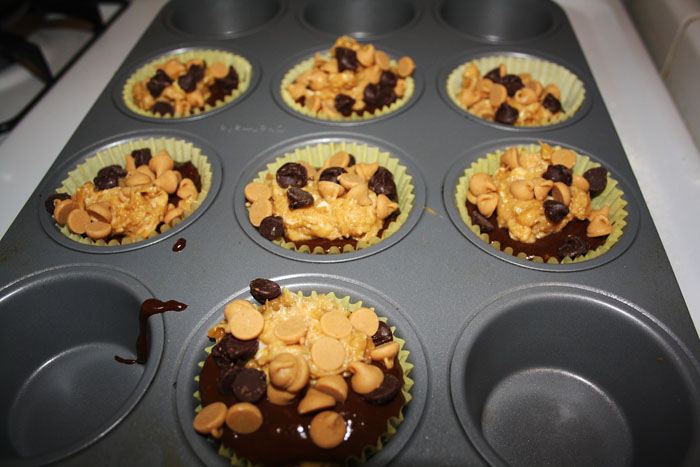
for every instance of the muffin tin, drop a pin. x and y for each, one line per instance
(597, 362)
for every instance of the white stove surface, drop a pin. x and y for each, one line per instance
(662, 154)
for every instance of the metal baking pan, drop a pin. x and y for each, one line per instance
(516, 363)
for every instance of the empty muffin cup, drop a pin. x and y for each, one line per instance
(360, 18)
(546, 93)
(62, 386)
(499, 20)
(560, 375)
(221, 17)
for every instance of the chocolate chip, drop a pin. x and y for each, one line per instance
(484, 224)
(197, 72)
(49, 203)
(250, 385)
(158, 82)
(513, 83)
(343, 104)
(383, 334)
(230, 350)
(371, 94)
(597, 179)
(272, 227)
(386, 392)
(112, 170)
(494, 75)
(228, 83)
(105, 182)
(299, 198)
(506, 114)
(387, 79)
(386, 97)
(163, 108)
(188, 170)
(551, 103)
(187, 82)
(382, 183)
(331, 174)
(558, 173)
(347, 59)
(291, 174)
(264, 289)
(227, 375)
(555, 211)
(351, 162)
(573, 246)
(141, 156)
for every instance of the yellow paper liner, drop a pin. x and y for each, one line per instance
(392, 423)
(572, 90)
(307, 64)
(611, 196)
(179, 150)
(240, 64)
(315, 155)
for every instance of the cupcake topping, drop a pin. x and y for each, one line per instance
(508, 98)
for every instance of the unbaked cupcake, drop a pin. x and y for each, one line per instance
(131, 191)
(320, 378)
(542, 203)
(352, 82)
(330, 198)
(187, 83)
(515, 90)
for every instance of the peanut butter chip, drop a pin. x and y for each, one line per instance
(246, 323)
(315, 400)
(339, 159)
(244, 418)
(365, 320)
(333, 385)
(386, 352)
(210, 419)
(100, 211)
(327, 429)
(565, 157)
(77, 221)
(218, 70)
(328, 353)
(255, 191)
(98, 230)
(335, 324)
(406, 66)
(259, 210)
(291, 330)
(382, 59)
(498, 95)
(63, 208)
(366, 378)
(279, 396)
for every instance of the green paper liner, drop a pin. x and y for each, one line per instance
(240, 64)
(392, 423)
(179, 150)
(307, 64)
(572, 90)
(315, 155)
(612, 196)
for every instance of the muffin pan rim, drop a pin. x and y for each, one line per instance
(193, 353)
(53, 181)
(465, 159)
(257, 163)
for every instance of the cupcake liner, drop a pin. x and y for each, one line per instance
(240, 64)
(612, 196)
(392, 423)
(315, 155)
(307, 64)
(572, 90)
(179, 150)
